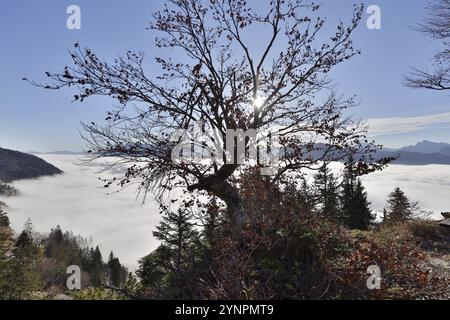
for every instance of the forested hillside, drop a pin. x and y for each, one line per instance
(34, 266)
(16, 165)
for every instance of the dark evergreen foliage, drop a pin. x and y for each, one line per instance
(327, 193)
(354, 206)
(399, 207)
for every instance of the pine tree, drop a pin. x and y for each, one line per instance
(354, 206)
(54, 242)
(362, 216)
(169, 270)
(399, 207)
(327, 195)
(23, 277)
(176, 233)
(97, 275)
(347, 196)
(117, 273)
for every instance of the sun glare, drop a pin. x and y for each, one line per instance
(258, 102)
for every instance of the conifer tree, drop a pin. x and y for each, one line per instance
(399, 207)
(176, 233)
(117, 273)
(300, 196)
(169, 270)
(97, 267)
(354, 206)
(347, 204)
(306, 196)
(327, 194)
(22, 275)
(54, 241)
(362, 216)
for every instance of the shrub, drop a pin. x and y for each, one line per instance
(96, 294)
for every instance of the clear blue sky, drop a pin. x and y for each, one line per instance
(34, 39)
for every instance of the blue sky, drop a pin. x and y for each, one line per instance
(34, 39)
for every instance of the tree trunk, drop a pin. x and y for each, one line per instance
(230, 195)
(219, 186)
(235, 208)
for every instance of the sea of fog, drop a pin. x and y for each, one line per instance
(77, 201)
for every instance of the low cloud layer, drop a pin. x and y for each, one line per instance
(430, 185)
(77, 201)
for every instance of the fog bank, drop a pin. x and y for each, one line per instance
(78, 201)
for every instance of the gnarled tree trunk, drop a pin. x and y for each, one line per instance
(235, 209)
(224, 190)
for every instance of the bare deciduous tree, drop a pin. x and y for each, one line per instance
(437, 26)
(218, 79)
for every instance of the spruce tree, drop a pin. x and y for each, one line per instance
(97, 275)
(347, 195)
(362, 216)
(327, 195)
(53, 245)
(176, 233)
(354, 206)
(117, 273)
(398, 207)
(169, 270)
(23, 277)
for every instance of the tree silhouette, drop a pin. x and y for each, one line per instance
(399, 207)
(327, 193)
(437, 26)
(212, 74)
(354, 206)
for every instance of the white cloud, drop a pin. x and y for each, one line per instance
(386, 126)
(429, 185)
(78, 202)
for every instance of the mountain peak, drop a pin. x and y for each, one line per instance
(426, 146)
(425, 142)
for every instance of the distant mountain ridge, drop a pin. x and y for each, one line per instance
(15, 165)
(423, 153)
(426, 146)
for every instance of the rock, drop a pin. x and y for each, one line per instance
(445, 223)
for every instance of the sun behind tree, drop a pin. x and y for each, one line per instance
(213, 75)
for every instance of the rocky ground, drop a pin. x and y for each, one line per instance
(438, 262)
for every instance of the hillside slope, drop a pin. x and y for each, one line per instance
(16, 165)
